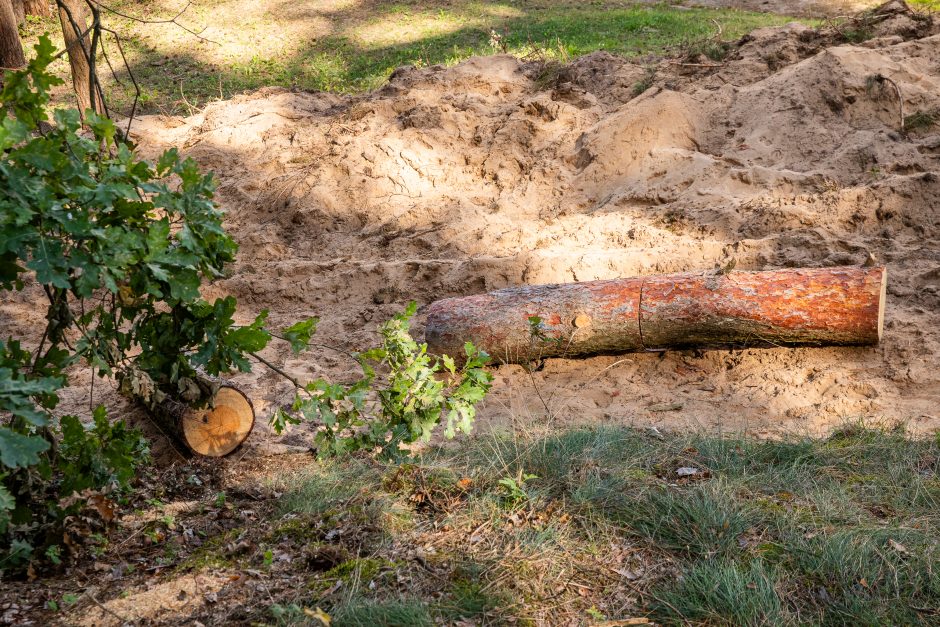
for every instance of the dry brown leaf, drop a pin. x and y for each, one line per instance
(897, 546)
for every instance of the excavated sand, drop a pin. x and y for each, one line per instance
(498, 172)
(455, 181)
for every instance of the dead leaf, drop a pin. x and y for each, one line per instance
(897, 546)
(320, 615)
(103, 505)
(632, 575)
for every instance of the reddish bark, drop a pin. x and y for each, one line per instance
(822, 306)
(790, 307)
(38, 7)
(576, 319)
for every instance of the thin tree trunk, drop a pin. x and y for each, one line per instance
(11, 48)
(41, 8)
(78, 48)
(19, 12)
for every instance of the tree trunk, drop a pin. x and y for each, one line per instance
(822, 306)
(216, 430)
(79, 51)
(19, 12)
(11, 48)
(41, 8)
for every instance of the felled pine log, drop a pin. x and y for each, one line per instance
(791, 307)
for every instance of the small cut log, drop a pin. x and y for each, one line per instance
(215, 430)
(791, 307)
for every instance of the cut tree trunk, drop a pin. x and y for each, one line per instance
(794, 307)
(216, 430)
(79, 51)
(586, 318)
(11, 48)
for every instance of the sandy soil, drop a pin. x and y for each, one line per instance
(498, 172)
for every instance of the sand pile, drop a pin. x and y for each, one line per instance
(499, 172)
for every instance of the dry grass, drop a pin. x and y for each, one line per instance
(600, 524)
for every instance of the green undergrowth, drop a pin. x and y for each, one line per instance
(840, 530)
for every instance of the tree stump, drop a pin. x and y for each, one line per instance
(791, 307)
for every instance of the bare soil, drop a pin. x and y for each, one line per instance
(499, 172)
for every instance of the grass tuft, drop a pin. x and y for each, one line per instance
(365, 613)
(722, 593)
(703, 522)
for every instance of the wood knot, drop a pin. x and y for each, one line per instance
(581, 320)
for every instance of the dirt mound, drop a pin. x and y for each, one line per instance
(498, 172)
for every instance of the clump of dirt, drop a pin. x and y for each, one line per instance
(454, 181)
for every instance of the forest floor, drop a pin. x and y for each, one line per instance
(799, 498)
(605, 526)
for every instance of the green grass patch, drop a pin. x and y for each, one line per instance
(334, 47)
(722, 593)
(365, 613)
(837, 530)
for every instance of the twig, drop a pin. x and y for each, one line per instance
(881, 79)
(130, 119)
(186, 102)
(281, 372)
(717, 36)
(321, 345)
(686, 64)
(897, 89)
(172, 20)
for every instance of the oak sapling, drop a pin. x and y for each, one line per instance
(413, 396)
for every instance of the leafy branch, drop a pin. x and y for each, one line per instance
(416, 394)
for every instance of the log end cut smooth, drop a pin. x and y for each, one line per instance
(217, 431)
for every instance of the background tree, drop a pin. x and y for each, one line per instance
(19, 11)
(11, 48)
(73, 15)
(41, 8)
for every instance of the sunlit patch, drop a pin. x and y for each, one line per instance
(502, 10)
(165, 601)
(404, 28)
